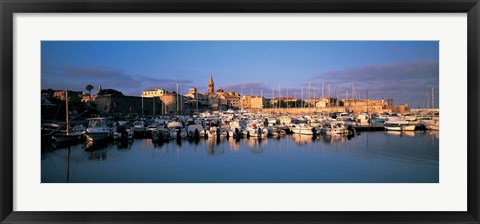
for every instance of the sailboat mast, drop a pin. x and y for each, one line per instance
(433, 100)
(323, 96)
(353, 90)
(286, 89)
(302, 98)
(197, 98)
(309, 98)
(314, 98)
(428, 100)
(366, 93)
(66, 111)
(273, 95)
(279, 94)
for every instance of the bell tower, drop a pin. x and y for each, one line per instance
(211, 85)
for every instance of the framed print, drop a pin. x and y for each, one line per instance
(213, 111)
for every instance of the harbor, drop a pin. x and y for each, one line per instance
(371, 157)
(240, 112)
(242, 147)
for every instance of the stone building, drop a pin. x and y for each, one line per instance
(215, 100)
(253, 102)
(174, 103)
(154, 93)
(123, 105)
(194, 97)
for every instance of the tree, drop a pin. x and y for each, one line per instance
(110, 92)
(89, 89)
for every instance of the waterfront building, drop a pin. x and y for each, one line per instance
(215, 100)
(194, 97)
(60, 94)
(154, 93)
(284, 101)
(228, 100)
(324, 102)
(253, 102)
(122, 105)
(373, 106)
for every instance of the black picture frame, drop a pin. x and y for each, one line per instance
(9, 7)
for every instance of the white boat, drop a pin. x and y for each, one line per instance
(408, 127)
(337, 128)
(152, 126)
(175, 124)
(123, 133)
(302, 129)
(399, 125)
(285, 120)
(178, 132)
(344, 117)
(277, 132)
(161, 134)
(192, 128)
(363, 119)
(216, 132)
(393, 127)
(139, 126)
(434, 126)
(257, 132)
(97, 129)
(272, 121)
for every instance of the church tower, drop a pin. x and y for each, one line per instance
(99, 88)
(211, 85)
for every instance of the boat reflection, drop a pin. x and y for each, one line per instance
(302, 139)
(234, 144)
(408, 133)
(124, 145)
(401, 133)
(98, 155)
(435, 134)
(214, 147)
(397, 133)
(61, 145)
(93, 146)
(333, 139)
(256, 145)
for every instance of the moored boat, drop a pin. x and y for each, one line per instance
(97, 130)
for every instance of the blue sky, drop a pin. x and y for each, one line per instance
(402, 70)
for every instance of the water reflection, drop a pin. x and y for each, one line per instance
(369, 157)
(93, 146)
(124, 145)
(214, 147)
(302, 139)
(256, 145)
(234, 144)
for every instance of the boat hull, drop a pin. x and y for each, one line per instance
(408, 127)
(302, 131)
(97, 136)
(63, 138)
(393, 128)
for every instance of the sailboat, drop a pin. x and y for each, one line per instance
(65, 136)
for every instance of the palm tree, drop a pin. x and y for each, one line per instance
(89, 89)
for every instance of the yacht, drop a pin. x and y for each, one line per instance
(97, 129)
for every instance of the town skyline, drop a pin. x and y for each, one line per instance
(405, 70)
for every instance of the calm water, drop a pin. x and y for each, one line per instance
(371, 157)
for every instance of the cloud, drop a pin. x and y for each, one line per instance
(150, 79)
(77, 77)
(404, 82)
